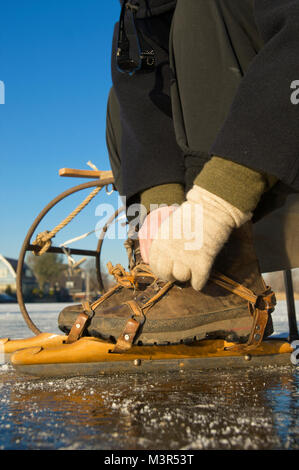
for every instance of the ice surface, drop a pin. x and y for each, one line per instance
(247, 409)
(44, 315)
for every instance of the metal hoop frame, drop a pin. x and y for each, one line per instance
(27, 246)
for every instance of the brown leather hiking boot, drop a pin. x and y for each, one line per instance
(126, 288)
(235, 305)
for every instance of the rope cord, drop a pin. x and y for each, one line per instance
(43, 239)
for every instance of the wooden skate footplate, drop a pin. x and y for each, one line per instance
(91, 357)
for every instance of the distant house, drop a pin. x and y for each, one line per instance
(74, 282)
(8, 275)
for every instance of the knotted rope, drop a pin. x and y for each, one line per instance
(43, 239)
(130, 279)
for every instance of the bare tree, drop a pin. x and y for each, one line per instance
(46, 268)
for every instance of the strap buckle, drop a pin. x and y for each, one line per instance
(80, 323)
(145, 58)
(127, 337)
(260, 311)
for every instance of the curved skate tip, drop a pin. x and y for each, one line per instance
(43, 339)
(20, 356)
(3, 340)
(36, 350)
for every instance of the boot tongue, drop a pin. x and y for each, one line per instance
(133, 252)
(141, 270)
(137, 253)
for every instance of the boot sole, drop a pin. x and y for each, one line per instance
(235, 330)
(233, 325)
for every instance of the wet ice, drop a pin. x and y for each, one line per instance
(248, 409)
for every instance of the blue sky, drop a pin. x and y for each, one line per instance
(55, 63)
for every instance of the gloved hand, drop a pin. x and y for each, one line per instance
(150, 227)
(185, 245)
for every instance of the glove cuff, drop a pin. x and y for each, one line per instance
(241, 186)
(214, 203)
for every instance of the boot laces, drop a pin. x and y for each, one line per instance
(138, 271)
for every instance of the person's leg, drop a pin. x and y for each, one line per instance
(211, 46)
(206, 79)
(113, 139)
(261, 128)
(225, 38)
(168, 193)
(150, 155)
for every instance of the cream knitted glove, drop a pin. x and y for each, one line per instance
(188, 241)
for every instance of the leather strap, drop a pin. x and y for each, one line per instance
(262, 308)
(126, 339)
(80, 323)
(105, 296)
(157, 297)
(234, 287)
(124, 280)
(259, 306)
(88, 312)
